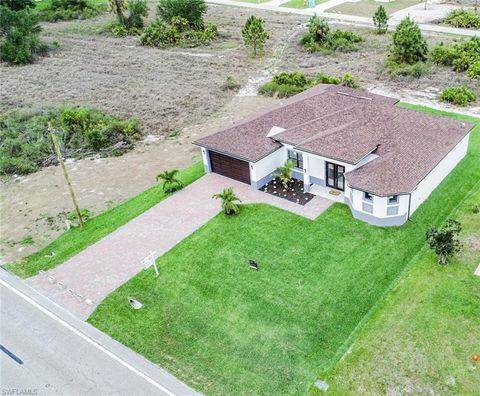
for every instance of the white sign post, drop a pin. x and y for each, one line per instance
(149, 261)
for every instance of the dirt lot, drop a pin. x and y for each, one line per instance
(166, 89)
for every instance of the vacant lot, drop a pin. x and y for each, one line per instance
(226, 329)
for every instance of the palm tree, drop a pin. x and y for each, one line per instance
(284, 173)
(170, 181)
(228, 198)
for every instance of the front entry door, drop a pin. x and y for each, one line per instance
(335, 178)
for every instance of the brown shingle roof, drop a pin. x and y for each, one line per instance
(344, 124)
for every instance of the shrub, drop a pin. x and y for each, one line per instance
(68, 9)
(460, 96)
(17, 5)
(230, 84)
(27, 146)
(319, 37)
(177, 33)
(348, 81)
(190, 10)
(254, 34)
(462, 56)
(380, 20)
(285, 84)
(131, 24)
(474, 70)
(444, 242)
(463, 19)
(408, 44)
(19, 36)
(405, 70)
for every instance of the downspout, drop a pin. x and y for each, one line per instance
(409, 203)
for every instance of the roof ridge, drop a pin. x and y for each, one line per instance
(316, 119)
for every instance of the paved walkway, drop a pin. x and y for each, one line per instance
(104, 266)
(349, 19)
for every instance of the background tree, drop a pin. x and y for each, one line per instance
(229, 201)
(19, 36)
(170, 181)
(408, 45)
(17, 5)
(445, 241)
(318, 29)
(191, 10)
(380, 20)
(254, 34)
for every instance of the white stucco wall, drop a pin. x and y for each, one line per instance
(267, 165)
(380, 204)
(435, 177)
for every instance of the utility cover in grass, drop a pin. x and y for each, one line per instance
(323, 386)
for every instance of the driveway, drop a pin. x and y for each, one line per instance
(83, 281)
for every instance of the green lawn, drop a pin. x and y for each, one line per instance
(367, 8)
(422, 337)
(76, 239)
(226, 329)
(299, 3)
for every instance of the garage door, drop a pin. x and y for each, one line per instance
(230, 167)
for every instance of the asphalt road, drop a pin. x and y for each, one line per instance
(42, 355)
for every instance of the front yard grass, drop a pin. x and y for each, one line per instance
(76, 239)
(366, 8)
(226, 329)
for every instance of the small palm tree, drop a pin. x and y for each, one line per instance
(170, 181)
(284, 173)
(229, 200)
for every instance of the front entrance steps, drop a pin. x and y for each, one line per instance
(328, 193)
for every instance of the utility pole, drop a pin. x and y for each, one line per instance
(65, 174)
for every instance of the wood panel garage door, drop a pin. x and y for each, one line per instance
(230, 167)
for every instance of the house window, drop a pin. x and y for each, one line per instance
(296, 158)
(366, 207)
(367, 196)
(392, 210)
(393, 199)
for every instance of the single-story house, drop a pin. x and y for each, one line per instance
(348, 145)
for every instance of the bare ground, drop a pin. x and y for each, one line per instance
(166, 89)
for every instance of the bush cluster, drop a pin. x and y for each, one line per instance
(286, 84)
(131, 24)
(19, 36)
(179, 23)
(319, 37)
(26, 145)
(62, 10)
(463, 56)
(463, 19)
(460, 96)
(177, 33)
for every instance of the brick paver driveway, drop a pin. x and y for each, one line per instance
(101, 268)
